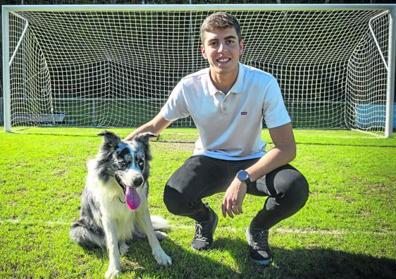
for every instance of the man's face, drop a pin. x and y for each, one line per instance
(222, 49)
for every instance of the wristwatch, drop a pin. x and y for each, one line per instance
(243, 176)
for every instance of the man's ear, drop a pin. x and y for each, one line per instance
(241, 47)
(202, 49)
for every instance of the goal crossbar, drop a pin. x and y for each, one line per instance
(197, 7)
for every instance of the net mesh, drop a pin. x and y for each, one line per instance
(117, 69)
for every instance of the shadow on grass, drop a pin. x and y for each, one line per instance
(300, 263)
(311, 263)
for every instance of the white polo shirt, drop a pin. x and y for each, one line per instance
(229, 124)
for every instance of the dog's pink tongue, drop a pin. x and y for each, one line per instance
(132, 198)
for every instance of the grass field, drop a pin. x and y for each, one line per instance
(346, 230)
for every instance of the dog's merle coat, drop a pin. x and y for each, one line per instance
(105, 220)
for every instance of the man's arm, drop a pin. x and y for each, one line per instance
(155, 126)
(283, 152)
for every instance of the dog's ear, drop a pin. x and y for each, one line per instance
(111, 140)
(144, 137)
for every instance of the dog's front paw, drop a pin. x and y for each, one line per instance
(161, 257)
(112, 272)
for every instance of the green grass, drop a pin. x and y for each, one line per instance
(346, 230)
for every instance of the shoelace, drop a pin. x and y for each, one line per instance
(260, 239)
(201, 230)
(198, 231)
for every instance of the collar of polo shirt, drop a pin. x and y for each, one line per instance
(236, 88)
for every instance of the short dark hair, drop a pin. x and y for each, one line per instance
(220, 20)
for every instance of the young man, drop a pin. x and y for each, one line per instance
(228, 102)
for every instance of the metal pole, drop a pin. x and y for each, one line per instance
(391, 75)
(6, 70)
(199, 7)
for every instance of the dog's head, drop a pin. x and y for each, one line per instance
(126, 161)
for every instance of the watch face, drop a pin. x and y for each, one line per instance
(243, 175)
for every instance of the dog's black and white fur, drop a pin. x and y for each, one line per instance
(105, 220)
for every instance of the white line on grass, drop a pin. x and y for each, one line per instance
(280, 230)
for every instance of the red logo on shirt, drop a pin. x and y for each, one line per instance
(244, 113)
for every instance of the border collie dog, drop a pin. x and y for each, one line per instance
(114, 201)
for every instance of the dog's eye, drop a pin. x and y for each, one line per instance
(123, 163)
(140, 163)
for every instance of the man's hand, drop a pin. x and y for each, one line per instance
(233, 198)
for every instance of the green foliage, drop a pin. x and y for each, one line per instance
(346, 230)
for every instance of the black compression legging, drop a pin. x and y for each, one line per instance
(201, 176)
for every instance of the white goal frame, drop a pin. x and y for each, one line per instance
(11, 9)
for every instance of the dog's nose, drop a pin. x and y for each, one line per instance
(138, 181)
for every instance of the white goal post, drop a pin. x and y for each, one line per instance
(115, 65)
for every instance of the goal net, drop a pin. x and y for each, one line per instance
(99, 67)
